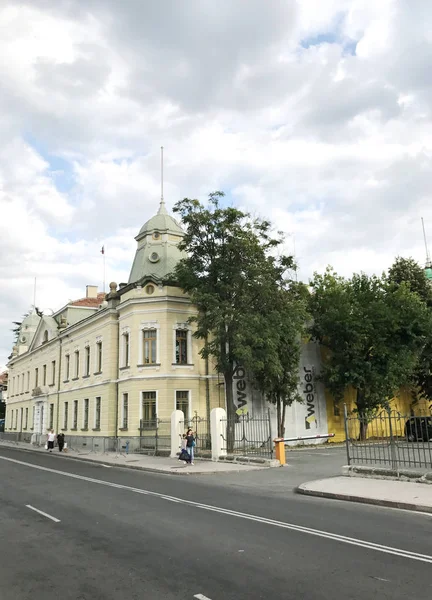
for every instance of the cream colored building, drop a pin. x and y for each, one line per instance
(112, 366)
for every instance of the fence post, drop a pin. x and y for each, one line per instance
(346, 433)
(270, 433)
(392, 442)
(217, 433)
(177, 426)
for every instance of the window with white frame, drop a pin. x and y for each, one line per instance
(65, 415)
(28, 382)
(33, 417)
(126, 348)
(98, 357)
(97, 417)
(67, 367)
(85, 413)
(181, 346)
(51, 416)
(26, 419)
(75, 414)
(87, 361)
(125, 411)
(36, 377)
(149, 346)
(182, 402)
(77, 356)
(53, 372)
(44, 375)
(149, 411)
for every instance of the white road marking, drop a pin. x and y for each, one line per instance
(201, 597)
(44, 514)
(426, 558)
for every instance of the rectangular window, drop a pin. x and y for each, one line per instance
(65, 415)
(44, 374)
(53, 372)
(76, 364)
(22, 383)
(26, 419)
(181, 347)
(87, 361)
(67, 367)
(28, 382)
(36, 378)
(149, 346)
(75, 414)
(16, 418)
(98, 357)
(51, 416)
(11, 420)
(125, 410)
(148, 409)
(33, 417)
(97, 412)
(21, 418)
(182, 402)
(126, 343)
(85, 413)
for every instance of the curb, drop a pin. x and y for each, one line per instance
(179, 472)
(362, 500)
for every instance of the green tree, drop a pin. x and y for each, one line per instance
(279, 377)
(374, 331)
(408, 271)
(232, 275)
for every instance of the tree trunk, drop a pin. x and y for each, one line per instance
(361, 408)
(278, 413)
(282, 433)
(230, 409)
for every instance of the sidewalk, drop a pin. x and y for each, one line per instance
(395, 494)
(153, 464)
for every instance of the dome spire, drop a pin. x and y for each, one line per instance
(162, 208)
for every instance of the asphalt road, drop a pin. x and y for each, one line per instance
(121, 534)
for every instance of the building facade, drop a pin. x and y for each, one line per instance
(109, 365)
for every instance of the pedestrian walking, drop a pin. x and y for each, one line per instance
(190, 445)
(51, 438)
(60, 441)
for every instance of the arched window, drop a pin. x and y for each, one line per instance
(45, 337)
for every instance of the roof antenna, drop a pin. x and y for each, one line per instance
(162, 209)
(428, 260)
(34, 296)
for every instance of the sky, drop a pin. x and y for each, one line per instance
(314, 114)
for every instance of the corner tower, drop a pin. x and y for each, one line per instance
(157, 253)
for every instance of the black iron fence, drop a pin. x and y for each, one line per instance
(155, 437)
(246, 435)
(201, 430)
(390, 439)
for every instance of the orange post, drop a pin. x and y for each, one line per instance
(280, 450)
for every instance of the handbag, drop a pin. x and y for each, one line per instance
(46, 446)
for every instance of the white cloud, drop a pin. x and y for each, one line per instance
(315, 114)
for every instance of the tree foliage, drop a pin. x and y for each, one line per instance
(233, 274)
(408, 271)
(374, 331)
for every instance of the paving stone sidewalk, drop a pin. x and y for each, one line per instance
(395, 494)
(155, 464)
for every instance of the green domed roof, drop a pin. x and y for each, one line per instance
(162, 221)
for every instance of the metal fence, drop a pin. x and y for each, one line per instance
(247, 435)
(155, 438)
(201, 429)
(389, 439)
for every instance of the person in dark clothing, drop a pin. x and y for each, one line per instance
(190, 444)
(60, 441)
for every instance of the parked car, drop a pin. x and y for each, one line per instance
(418, 429)
(2, 424)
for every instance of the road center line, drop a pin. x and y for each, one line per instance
(201, 597)
(233, 513)
(44, 514)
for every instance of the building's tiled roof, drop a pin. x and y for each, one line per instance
(89, 302)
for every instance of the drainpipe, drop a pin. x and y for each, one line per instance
(207, 386)
(58, 386)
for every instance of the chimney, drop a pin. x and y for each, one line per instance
(91, 291)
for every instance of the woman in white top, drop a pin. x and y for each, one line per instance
(51, 438)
